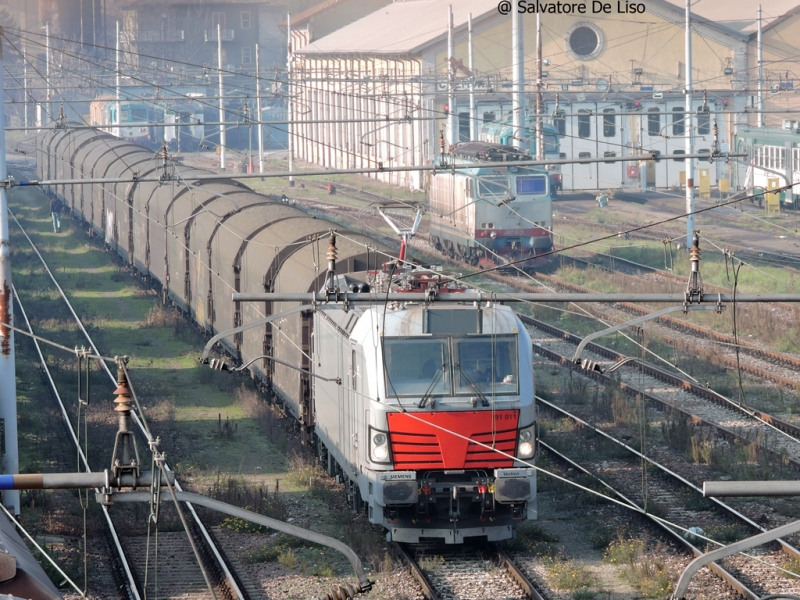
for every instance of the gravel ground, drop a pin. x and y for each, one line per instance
(274, 580)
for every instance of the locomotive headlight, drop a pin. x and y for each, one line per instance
(379, 446)
(493, 235)
(526, 447)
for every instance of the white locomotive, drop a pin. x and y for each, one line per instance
(436, 400)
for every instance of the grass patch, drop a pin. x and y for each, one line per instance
(642, 569)
(569, 575)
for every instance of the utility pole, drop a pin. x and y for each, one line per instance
(473, 112)
(539, 103)
(25, 82)
(688, 128)
(258, 108)
(117, 105)
(221, 102)
(517, 76)
(760, 73)
(8, 382)
(47, 72)
(290, 127)
(451, 129)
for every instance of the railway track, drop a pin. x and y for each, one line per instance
(695, 403)
(456, 572)
(192, 585)
(659, 235)
(620, 478)
(761, 355)
(120, 566)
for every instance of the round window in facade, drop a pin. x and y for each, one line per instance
(584, 41)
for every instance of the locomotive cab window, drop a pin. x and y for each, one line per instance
(493, 186)
(532, 185)
(415, 366)
(422, 366)
(486, 364)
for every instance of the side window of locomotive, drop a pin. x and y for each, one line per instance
(486, 363)
(532, 185)
(415, 366)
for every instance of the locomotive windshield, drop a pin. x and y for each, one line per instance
(531, 185)
(482, 365)
(490, 186)
(415, 366)
(488, 363)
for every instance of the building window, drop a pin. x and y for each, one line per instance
(584, 123)
(609, 122)
(584, 155)
(679, 152)
(703, 122)
(247, 55)
(245, 20)
(463, 126)
(560, 121)
(218, 18)
(678, 127)
(584, 40)
(488, 117)
(653, 122)
(609, 155)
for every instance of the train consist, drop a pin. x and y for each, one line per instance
(422, 409)
(773, 159)
(491, 215)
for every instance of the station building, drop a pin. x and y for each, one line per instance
(613, 84)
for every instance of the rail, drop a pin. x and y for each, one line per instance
(131, 585)
(205, 537)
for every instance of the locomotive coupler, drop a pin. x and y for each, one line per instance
(455, 513)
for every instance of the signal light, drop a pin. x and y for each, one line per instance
(446, 109)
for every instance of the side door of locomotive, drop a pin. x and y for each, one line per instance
(355, 454)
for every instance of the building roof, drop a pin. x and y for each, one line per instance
(400, 27)
(740, 15)
(150, 4)
(407, 26)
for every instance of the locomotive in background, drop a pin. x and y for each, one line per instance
(424, 410)
(490, 215)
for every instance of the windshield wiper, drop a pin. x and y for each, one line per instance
(436, 379)
(484, 400)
